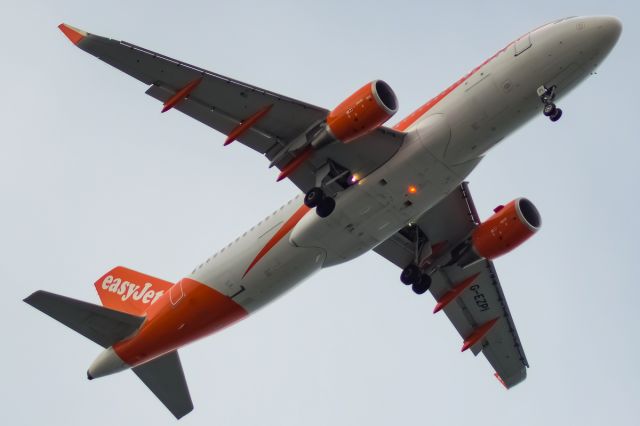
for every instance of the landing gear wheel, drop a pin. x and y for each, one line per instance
(423, 285)
(313, 197)
(556, 115)
(549, 109)
(325, 207)
(426, 280)
(410, 275)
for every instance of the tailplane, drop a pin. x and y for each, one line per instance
(165, 378)
(101, 325)
(119, 319)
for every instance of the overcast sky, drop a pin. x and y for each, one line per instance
(93, 176)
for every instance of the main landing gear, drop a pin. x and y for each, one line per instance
(412, 275)
(323, 204)
(547, 95)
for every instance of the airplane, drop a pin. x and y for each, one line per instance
(398, 191)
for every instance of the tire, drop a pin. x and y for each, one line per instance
(549, 109)
(313, 197)
(326, 207)
(421, 286)
(426, 280)
(556, 115)
(410, 275)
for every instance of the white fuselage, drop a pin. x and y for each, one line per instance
(443, 145)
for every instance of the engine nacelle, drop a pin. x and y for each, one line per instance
(510, 226)
(362, 112)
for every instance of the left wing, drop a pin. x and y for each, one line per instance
(272, 121)
(471, 297)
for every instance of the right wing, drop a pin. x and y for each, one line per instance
(223, 104)
(480, 301)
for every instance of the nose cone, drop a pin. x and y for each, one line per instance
(606, 31)
(108, 362)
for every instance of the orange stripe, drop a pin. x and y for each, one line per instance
(284, 230)
(192, 312)
(414, 116)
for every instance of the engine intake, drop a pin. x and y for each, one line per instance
(510, 226)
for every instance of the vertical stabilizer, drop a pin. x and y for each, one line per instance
(129, 291)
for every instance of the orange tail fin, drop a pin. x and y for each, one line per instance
(126, 290)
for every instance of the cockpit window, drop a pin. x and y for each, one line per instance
(564, 19)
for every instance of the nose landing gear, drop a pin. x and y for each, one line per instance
(547, 95)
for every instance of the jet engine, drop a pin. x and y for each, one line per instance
(510, 226)
(364, 111)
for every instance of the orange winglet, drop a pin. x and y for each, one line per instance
(246, 124)
(478, 334)
(73, 34)
(295, 163)
(181, 94)
(452, 294)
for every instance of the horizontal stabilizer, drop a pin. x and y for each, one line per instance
(101, 325)
(165, 378)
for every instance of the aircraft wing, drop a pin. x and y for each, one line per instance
(471, 297)
(225, 104)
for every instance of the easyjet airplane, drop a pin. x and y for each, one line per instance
(399, 191)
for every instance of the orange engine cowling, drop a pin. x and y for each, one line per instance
(510, 226)
(364, 111)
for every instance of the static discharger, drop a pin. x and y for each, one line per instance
(246, 124)
(478, 334)
(181, 94)
(453, 294)
(295, 163)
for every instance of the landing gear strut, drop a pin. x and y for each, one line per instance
(547, 95)
(323, 204)
(412, 275)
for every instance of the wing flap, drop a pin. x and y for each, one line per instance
(101, 325)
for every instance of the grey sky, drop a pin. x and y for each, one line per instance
(93, 176)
